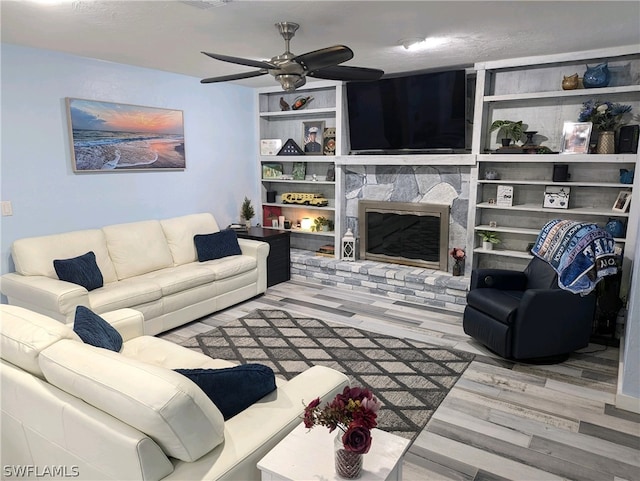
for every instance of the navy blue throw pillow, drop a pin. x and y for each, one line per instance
(94, 330)
(233, 389)
(82, 270)
(217, 245)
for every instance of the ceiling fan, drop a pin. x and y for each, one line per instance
(291, 70)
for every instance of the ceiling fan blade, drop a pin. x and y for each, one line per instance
(325, 57)
(340, 72)
(238, 76)
(241, 61)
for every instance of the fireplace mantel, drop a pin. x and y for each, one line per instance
(419, 159)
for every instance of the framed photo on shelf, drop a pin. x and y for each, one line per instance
(622, 202)
(575, 137)
(271, 171)
(312, 132)
(504, 195)
(556, 197)
(299, 170)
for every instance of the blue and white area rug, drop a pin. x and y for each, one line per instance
(411, 378)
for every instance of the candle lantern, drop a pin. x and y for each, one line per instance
(348, 246)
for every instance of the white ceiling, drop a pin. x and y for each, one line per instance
(169, 35)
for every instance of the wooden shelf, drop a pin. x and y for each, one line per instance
(305, 232)
(538, 208)
(298, 206)
(306, 113)
(586, 93)
(503, 253)
(291, 181)
(525, 231)
(547, 182)
(275, 159)
(560, 158)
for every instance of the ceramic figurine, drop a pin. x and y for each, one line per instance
(570, 82)
(596, 77)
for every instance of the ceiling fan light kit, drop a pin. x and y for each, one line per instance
(291, 70)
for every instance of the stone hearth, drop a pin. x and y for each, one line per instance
(404, 283)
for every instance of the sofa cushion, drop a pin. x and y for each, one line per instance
(94, 330)
(233, 389)
(161, 403)
(217, 245)
(231, 266)
(82, 270)
(24, 334)
(137, 248)
(34, 256)
(126, 293)
(180, 278)
(179, 232)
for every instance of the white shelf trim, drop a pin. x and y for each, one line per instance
(560, 158)
(503, 253)
(551, 94)
(417, 159)
(547, 182)
(274, 159)
(298, 206)
(291, 181)
(560, 212)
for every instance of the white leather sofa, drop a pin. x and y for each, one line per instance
(150, 266)
(90, 413)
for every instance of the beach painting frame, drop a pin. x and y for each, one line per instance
(110, 137)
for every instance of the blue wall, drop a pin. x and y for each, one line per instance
(36, 171)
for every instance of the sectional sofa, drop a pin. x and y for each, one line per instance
(84, 412)
(151, 266)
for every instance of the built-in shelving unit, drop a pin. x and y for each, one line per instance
(274, 123)
(529, 89)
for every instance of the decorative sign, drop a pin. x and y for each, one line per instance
(556, 197)
(504, 197)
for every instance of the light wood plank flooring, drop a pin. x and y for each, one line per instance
(502, 420)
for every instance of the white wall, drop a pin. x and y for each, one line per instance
(37, 177)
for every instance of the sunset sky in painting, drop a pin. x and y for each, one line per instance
(92, 115)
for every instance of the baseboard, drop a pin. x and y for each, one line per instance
(628, 403)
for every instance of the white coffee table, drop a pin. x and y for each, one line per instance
(308, 455)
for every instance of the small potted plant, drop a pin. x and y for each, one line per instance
(247, 212)
(322, 224)
(511, 130)
(488, 239)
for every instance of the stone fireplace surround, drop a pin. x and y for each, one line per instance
(426, 184)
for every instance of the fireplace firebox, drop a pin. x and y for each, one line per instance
(407, 233)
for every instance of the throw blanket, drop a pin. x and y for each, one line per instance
(580, 253)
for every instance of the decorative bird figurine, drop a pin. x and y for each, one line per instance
(283, 104)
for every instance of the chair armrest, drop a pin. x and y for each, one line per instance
(128, 322)
(52, 297)
(503, 279)
(556, 319)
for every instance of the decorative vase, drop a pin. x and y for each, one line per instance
(570, 82)
(606, 142)
(596, 77)
(458, 267)
(247, 224)
(348, 464)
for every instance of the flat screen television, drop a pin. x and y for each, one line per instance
(416, 113)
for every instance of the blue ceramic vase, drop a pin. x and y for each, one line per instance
(596, 77)
(615, 227)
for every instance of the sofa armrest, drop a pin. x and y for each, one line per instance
(52, 297)
(254, 248)
(128, 322)
(502, 279)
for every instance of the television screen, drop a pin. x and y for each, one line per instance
(420, 112)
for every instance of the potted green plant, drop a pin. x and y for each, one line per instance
(322, 223)
(247, 212)
(488, 239)
(511, 130)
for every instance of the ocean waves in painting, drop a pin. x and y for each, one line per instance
(109, 150)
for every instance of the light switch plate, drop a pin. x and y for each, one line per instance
(6, 207)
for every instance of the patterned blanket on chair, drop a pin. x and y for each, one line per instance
(580, 253)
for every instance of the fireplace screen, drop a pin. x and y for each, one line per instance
(404, 233)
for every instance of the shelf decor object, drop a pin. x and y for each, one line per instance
(556, 197)
(312, 132)
(576, 137)
(290, 148)
(504, 197)
(271, 171)
(270, 146)
(596, 77)
(622, 201)
(348, 246)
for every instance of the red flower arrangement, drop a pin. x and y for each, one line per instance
(354, 412)
(457, 253)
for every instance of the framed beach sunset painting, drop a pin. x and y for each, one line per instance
(108, 137)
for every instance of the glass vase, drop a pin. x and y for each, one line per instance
(348, 464)
(458, 267)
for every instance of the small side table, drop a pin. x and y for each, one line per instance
(279, 260)
(305, 454)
